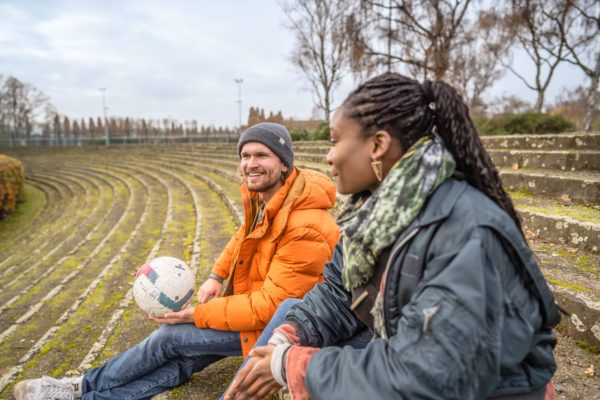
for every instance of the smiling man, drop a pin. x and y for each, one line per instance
(279, 252)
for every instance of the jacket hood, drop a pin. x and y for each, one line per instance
(310, 190)
(303, 189)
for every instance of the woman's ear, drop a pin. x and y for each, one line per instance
(381, 142)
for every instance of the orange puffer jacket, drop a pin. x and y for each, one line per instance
(283, 257)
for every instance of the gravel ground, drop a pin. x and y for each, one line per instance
(578, 373)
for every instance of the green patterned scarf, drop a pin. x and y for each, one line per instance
(371, 225)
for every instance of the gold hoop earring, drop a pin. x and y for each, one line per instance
(378, 169)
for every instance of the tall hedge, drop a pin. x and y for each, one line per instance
(12, 179)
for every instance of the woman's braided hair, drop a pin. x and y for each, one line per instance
(408, 110)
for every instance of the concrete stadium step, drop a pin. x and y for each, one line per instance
(311, 157)
(549, 219)
(580, 186)
(312, 147)
(583, 186)
(573, 278)
(563, 160)
(558, 141)
(559, 222)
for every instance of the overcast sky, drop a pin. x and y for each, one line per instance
(175, 59)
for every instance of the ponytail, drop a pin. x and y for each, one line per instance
(461, 138)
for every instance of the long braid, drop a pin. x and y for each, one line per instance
(403, 107)
(461, 138)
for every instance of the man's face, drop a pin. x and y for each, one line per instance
(261, 168)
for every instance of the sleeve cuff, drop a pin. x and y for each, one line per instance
(278, 363)
(215, 277)
(296, 361)
(198, 316)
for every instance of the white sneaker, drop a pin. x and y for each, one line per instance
(47, 388)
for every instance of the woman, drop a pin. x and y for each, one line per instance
(432, 261)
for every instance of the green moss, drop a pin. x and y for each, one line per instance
(586, 264)
(576, 212)
(525, 192)
(575, 287)
(588, 347)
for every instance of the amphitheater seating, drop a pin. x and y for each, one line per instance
(67, 268)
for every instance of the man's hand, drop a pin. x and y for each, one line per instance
(208, 289)
(184, 316)
(254, 380)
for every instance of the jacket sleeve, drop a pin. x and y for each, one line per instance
(324, 317)
(449, 339)
(223, 263)
(295, 268)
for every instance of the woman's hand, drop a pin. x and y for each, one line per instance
(210, 288)
(254, 380)
(184, 316)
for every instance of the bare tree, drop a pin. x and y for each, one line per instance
(92, 129)
(21, 106)
(50, 113)
(508, 104)
(534, 30)
(572, 104)
(76, 131)
(321, 48)
(473, 63)
(57, 129)
(580, 32)
(127, 128)
(67, 131)
(421, 35)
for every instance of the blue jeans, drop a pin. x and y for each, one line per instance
(165, 359)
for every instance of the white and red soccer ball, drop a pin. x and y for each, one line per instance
(163, 285)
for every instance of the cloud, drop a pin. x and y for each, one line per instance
(158, 59)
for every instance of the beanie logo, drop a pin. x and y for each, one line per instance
(281, 141)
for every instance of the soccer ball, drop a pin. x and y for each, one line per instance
(163, 285)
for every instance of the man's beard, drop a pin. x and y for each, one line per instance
(264, 187)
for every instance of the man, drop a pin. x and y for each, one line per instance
(278, 253)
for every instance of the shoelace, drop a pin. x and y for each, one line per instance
(53, 389)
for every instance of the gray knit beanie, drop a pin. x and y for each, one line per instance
(275, 136)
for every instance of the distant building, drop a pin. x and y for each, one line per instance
(257, 115)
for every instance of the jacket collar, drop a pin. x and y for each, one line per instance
(441, 202)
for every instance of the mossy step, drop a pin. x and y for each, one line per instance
(559, 222)
(143, 238)
(581, 186)
(556, 221)
(564, 160)
(562, 141)
(575, 140)
(561, 160)
(573, 277)
(57, 229)
(311, 149)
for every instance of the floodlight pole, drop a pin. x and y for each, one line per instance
(106, 136)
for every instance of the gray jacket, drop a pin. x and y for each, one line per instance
(468, 313)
